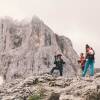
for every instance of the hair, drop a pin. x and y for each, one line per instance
(87, 46)
(82, 53)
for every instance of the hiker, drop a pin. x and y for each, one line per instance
(59, 64)
(89, 61)
(81, 61)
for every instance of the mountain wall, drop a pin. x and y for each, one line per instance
(28, 48)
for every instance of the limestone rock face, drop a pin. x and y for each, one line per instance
(28, 48)
(48, 87)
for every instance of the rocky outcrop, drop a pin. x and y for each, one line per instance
(97, 70)
(28, 48)
(47, 87)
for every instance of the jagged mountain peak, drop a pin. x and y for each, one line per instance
(36, 19)
(29, 49)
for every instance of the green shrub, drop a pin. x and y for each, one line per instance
(35, 97)
(40, 94)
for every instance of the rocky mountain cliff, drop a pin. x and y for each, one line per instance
(28, 48)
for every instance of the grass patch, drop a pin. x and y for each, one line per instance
(39, 94)
(35, 97)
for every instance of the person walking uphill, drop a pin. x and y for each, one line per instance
(89, 61)
(59, 64)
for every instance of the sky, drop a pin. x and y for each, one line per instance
(77, 19)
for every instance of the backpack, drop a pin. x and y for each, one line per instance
(91, 54)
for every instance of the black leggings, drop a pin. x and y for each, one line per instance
(56, 68)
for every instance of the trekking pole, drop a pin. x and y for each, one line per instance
(30, 93)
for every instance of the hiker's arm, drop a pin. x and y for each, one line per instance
(55, 60)
(63, 62)
(79, 61)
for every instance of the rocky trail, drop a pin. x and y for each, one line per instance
(48, 87)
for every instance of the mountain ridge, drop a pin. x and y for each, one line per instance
(29, 49)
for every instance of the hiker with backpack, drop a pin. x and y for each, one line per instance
(81, 61)
(59, 64)
(89, 61)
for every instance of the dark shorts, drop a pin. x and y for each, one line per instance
(83, 68)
